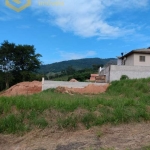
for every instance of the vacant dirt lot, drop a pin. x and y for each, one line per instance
(54, 84)
(27, 88)
(131, 136)
(23, 88)
(89, 89)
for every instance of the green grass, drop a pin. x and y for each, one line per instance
(146, 148)
(125, 101)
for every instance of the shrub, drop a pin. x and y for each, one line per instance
(124, 77)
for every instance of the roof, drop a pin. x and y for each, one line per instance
(138, 51)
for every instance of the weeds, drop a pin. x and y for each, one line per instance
(88, 120)
(146, 148)
(99, 134)
(69, 122)
(40, 122)
(12, 124)
(124, 101)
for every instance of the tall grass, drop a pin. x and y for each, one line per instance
(125, 101)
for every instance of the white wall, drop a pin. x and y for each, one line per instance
(119, 61)
(54, 84)
(130, 60)
(131, 71)
(106, 72)
(137, 61)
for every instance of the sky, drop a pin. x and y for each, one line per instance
(73, 29)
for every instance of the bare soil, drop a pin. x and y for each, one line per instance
(128, 136)
(73, 80)
(27, 88)
(23, 88)
(90, 89)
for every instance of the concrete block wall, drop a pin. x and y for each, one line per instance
(133, 72)
(47, 84)
(106, 72)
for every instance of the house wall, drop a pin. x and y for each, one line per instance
(130, 60)
(106, 71)
(119, 61)
(131, 71)
(137, 61)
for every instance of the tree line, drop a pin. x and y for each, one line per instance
(18, 63)
(70, 72)
(77, 64)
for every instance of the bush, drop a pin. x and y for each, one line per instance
(124, 77)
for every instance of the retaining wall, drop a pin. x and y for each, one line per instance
(47, 84)
(112, 72)
(133, 72)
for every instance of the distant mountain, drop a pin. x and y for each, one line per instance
(76, 64)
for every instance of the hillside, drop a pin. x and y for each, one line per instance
(118, 119)
(76, 64)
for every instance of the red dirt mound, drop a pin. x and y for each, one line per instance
(73, 80)
(90, 89)
(23, 88)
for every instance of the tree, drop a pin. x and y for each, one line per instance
(2, 82)
(70, 70)
(26, 60)
(18, 61)
(7, 61)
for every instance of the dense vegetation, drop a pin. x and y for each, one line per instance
(70, 73)
(20, 63)
(17, 63)
(125, 101)
(78, 64)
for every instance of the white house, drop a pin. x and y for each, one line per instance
(135, 64)
(139, 57)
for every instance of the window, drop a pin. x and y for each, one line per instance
(142, 58)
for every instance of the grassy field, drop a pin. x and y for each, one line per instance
(125, 101)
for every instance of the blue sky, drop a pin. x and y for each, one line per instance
(78, 29)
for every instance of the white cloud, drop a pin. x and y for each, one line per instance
(5, 15)
(88, 18)
(71, 55)
(127, 3)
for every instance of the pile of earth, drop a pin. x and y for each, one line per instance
(90, 89)
(73, 80)
(23, 88)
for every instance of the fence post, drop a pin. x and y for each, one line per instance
(42, 83)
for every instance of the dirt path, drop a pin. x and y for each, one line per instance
(132, 136)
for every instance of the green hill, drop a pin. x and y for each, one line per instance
(76, 64)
